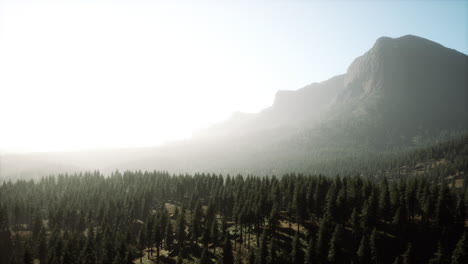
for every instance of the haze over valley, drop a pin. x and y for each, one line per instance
(251, 132)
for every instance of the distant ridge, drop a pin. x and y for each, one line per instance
(404, 93)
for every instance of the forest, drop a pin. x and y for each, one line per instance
(407, 209)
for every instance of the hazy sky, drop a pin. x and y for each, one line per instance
(94, 74)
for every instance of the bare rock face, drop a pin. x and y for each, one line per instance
(401, 92)
(410, 82)
(407, 85)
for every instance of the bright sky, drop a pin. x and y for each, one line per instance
(100, 74)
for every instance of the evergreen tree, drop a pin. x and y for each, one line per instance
(142, 243)
(460, 253)
(180, 230)
(169, 236)
(42, 250)
(355, 223)
(204, 256)
(252, 257)
(373, 246)
(334, 253)
(310, 253)
(296, 253)
(440, 256)
(6, 243)
(214, 234)
(228, 258)
(408, 256)
(384, 201)
(323, 237)
(443, 215)
(262, 251)
(180, 258)
(196, 222)
(27, 258)
(363, 252)
(272, 257)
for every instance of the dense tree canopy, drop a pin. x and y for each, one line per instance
(381, 215)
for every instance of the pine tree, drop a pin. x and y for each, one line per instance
(408, 257)
(228, 258)
(460, 214)
(355, 223)
(37, 227)
(262, 250)
(27, 258)
(180, 230)
(196, 222)
(399, 220)
(440, 256)
(384, 200)
(460, 253)
(373, 246)
(6, 243)
(310, 253)
(204, 256)
(323, 237)
(42, 249)
(142, 243)
(157, 237)
(272, 257)
(169, 236)
(296, 252)
(214, 234)
(299, 205)
(443, 215)
(273, 220)
(238, 259)
(334, 253)
(363, 252)
(180, 258)
(252, 257)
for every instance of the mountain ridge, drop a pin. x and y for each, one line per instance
(405, 92)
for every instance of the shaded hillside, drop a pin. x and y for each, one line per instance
(403, 88)
(404, 93)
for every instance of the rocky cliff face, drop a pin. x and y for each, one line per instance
(407, 85)
(401, 93)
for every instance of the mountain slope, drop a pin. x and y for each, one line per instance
(405, 87)
(404, 93)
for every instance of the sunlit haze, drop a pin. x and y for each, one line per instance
(96, 74)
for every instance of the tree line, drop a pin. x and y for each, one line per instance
(132, 217)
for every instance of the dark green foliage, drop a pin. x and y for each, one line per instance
(334, 253)
(180, 230)
(310, 252)
(262, 251)
(460, 254)
(252, 257)
(363, 253)
(408, 256)
(374, 247)
(440, 256)
(296, 252)
(228, 257)
(273, 251)
(89, 218)
(196, 227)
(204, 257)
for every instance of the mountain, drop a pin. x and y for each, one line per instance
(404, 93)
(400, 89)
(406, 87)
